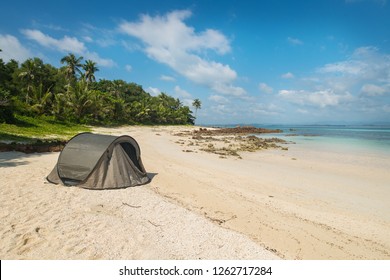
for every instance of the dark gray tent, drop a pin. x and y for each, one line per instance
(96, 161)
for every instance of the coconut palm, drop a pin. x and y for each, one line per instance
(40, 99)
(197, 105)
(90, 68)
(73, 65)
(78, 100)
(27, 74)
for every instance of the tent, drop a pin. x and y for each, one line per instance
(95, 161)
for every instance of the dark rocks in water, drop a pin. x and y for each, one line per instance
(237, 130)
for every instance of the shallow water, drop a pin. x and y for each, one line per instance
(357, 139)
(369, 139)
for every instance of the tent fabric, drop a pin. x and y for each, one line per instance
(96, 161)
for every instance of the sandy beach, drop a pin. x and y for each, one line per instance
(295, 203)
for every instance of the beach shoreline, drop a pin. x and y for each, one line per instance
(294, 202)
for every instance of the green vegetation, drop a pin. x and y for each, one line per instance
(29, 129)
(40, 100)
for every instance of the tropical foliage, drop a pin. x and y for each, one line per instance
(71, 93)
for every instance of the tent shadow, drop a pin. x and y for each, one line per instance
(14, 159)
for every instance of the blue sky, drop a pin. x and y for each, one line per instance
(268, 62)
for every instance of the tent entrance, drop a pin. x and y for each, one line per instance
(131, 152)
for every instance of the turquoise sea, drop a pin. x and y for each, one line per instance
(354, 138)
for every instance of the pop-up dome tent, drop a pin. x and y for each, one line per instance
(95, 161)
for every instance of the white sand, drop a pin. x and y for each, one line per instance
(301, 204)
(44, 221)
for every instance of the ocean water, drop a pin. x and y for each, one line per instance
(365, 139)
(354, 138)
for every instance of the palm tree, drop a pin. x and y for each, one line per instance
(28, 74)
(73, 65)
(197, 104)
(90, 68)
(78, 100)
(40, 99)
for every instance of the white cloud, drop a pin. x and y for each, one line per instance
(359, 83)
(350, 67)
(171, 33)
(288, 75)
(153, 91)
(228, 89)
(66, 44)
(128, 68)
(106, 62)
(170, 41)
(366, 72)
(13, 49)
(372, 90)
(366, 63)
(167, 78)
(302, 111)
(265, 109)
(88, 39)
(323, 98)
(221, 109)
(102, 37)
(219, 99)
(181, 92)
(263, 87)
(294, 41)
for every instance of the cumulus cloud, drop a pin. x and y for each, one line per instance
(360, 84)
(322, 98)
(288, 75)
(294, 41)
(106, 62)
(167, 78)
(228, 89)
(88, 39)
(128, 68)
(219, 99)
(181, 92)
(372, 90)
(263, 87)
(222, 109)
(13, 49)
(66, 44)
(153, 91)
(169, 40)
(171, 33)
(366, 63)
(350, 67)
(265, 109)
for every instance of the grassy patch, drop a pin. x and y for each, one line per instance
(28, 129)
